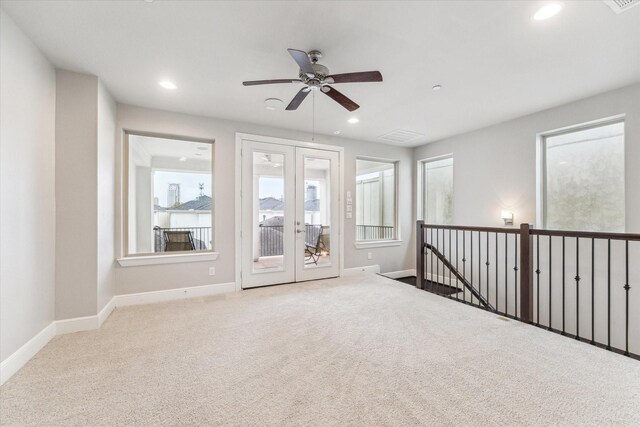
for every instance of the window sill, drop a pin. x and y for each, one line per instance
(377, 244)
(134, 261)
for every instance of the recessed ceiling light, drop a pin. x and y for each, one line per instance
(337, 132)
(167, 84)
(547, 11)
(183, 159)
(436, 87)
(273, 104)
(353, 120)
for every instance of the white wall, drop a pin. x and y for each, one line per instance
(148, 278)
(27, 176)
(495, 167)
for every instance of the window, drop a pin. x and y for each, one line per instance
(168, 195)
(437, 187)
(375, 200)
(583, 178)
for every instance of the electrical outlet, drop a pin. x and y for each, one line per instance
(369, 255)
(212, 271)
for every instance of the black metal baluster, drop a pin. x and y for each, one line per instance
(515, 269)
(496, 288)
(608, 294)
(563, 283)
(593, 288)
(437, 259)
(626, 288)
(550, 279)
(506, 274)
(471, 261)
(431, 269)
(457, 283)
(450, 263)
(487, 263)
(464, 264)
(538, 280)
(577, 278)
(479, 266)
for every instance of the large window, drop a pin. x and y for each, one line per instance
(375, 200)
(168, 195)
(437, 187)
(583, 178)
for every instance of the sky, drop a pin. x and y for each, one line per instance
(189, 189)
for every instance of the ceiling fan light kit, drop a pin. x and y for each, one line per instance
(316, 77)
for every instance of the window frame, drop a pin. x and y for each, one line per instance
(134, 259)
(397, 239)
(541, 156)
(421, 184)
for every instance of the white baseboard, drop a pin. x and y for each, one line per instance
(355, 270)
(173, 294)
(400, 273)
(20, 357)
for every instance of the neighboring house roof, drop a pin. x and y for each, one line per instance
(312, 205)
(273, 221)
(201, 203)
(273, 204)
(159, 208)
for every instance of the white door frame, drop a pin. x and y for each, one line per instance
(238, 200)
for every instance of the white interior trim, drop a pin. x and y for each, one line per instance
(173, 294)
(20, 357)
(377, 243)
(133, 261)
(365, 268)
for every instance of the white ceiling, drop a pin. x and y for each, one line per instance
(493, 61)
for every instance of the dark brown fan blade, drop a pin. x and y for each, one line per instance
(303, 60)
(340, 98)
(364, 76)
(297, 100)
(269, 82)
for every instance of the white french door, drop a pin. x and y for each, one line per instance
(290, 214)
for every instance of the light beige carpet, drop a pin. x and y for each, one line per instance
(361, 350)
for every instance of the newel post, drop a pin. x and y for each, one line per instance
(419, 255)
(526, 274)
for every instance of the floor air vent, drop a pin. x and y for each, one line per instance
(619, 6)
(400, 136)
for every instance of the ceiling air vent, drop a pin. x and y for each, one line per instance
(400, 136)
(619, 6)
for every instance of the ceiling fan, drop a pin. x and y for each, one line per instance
(316, 77)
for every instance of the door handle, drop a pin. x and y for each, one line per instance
(300, 231)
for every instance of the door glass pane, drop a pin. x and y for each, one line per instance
(317, 212)
(268, 212)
